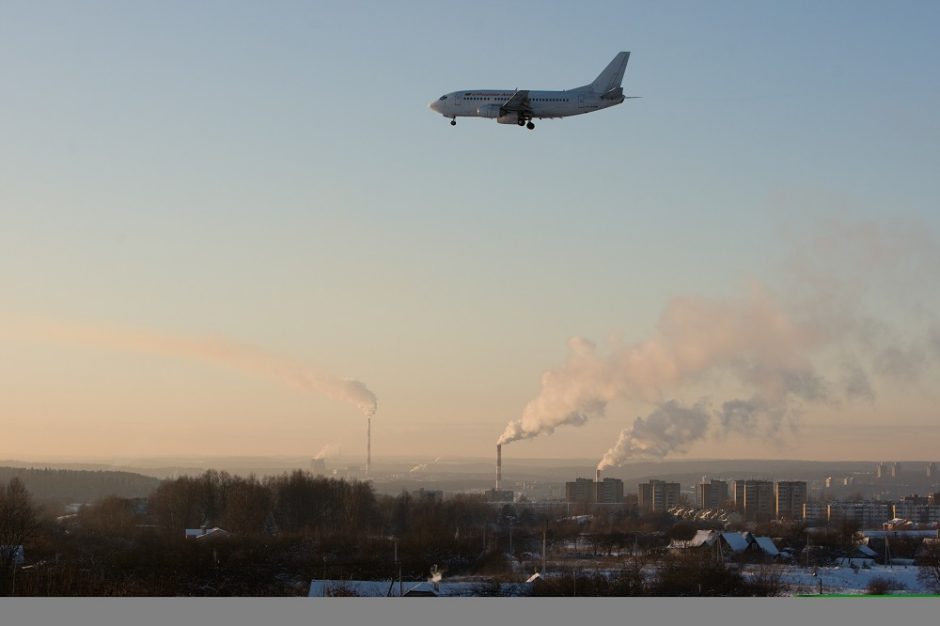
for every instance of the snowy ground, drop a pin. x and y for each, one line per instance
(848, 580)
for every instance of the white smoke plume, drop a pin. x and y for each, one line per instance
(670, 428)
(206, 349)
(774, 348)
(329, 451)
(752, 338)
(856, 382)
(423, 467)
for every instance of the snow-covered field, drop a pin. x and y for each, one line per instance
(848, 580)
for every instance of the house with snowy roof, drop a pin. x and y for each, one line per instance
(729, 544)
(205, 533)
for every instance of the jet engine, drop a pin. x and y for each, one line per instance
(488, 110)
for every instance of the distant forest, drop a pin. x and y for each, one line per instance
(68, 486)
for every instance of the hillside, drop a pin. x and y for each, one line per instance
(66, 486)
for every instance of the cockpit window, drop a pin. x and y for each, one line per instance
(443, 97)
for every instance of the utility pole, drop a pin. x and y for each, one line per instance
(544, 534)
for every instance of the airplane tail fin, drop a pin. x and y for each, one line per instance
(610, 79)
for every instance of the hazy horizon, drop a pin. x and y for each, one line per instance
(243, 232)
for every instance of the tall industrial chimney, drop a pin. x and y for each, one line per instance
(499, 465)
(369, 448)
(597, 485)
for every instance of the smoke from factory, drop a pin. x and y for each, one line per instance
(752, 339)
(672, 427)
(423, 467)
(329, 451)
(206, 349)
(771, 346)
(753, 342)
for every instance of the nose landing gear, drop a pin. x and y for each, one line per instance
(453, 122)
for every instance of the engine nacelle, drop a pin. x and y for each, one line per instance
(488, 110)
(509, 118)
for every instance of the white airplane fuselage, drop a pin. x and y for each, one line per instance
(544, 104)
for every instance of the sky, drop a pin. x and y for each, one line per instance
(214, 214)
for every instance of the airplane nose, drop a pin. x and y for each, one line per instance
(435, 106)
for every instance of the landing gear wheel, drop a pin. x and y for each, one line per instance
(453, 122)
(530, 126)
(521, 122)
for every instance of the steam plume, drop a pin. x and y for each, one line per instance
(670, 428)
(329, 451)
(766, 347)
(206, 349)
(752, 338)
(422, 467)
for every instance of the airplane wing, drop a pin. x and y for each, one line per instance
(518, 102)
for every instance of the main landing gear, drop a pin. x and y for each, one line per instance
(525, 122)
(530, 126)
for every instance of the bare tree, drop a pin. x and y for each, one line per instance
(929, 561)
(18, 522)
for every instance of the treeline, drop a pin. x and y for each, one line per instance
(283, 531)
(67, 486)
(289, 503)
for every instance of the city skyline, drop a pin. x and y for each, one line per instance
(220, 242)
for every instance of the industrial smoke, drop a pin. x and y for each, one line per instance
(752, 339)
(207, 349)
(329, 451)
(672, 427)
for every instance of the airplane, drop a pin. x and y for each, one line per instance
(515, 106)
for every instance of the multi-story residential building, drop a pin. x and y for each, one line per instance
(580, 490)
(917, 511)
(658, 495)
(815, 512)
(711, 495)
(609, 491)
(867, 514)
(789, 498)
(754, 499)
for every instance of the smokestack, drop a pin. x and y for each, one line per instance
(499, 465)
(597, 485)
(369, 447)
